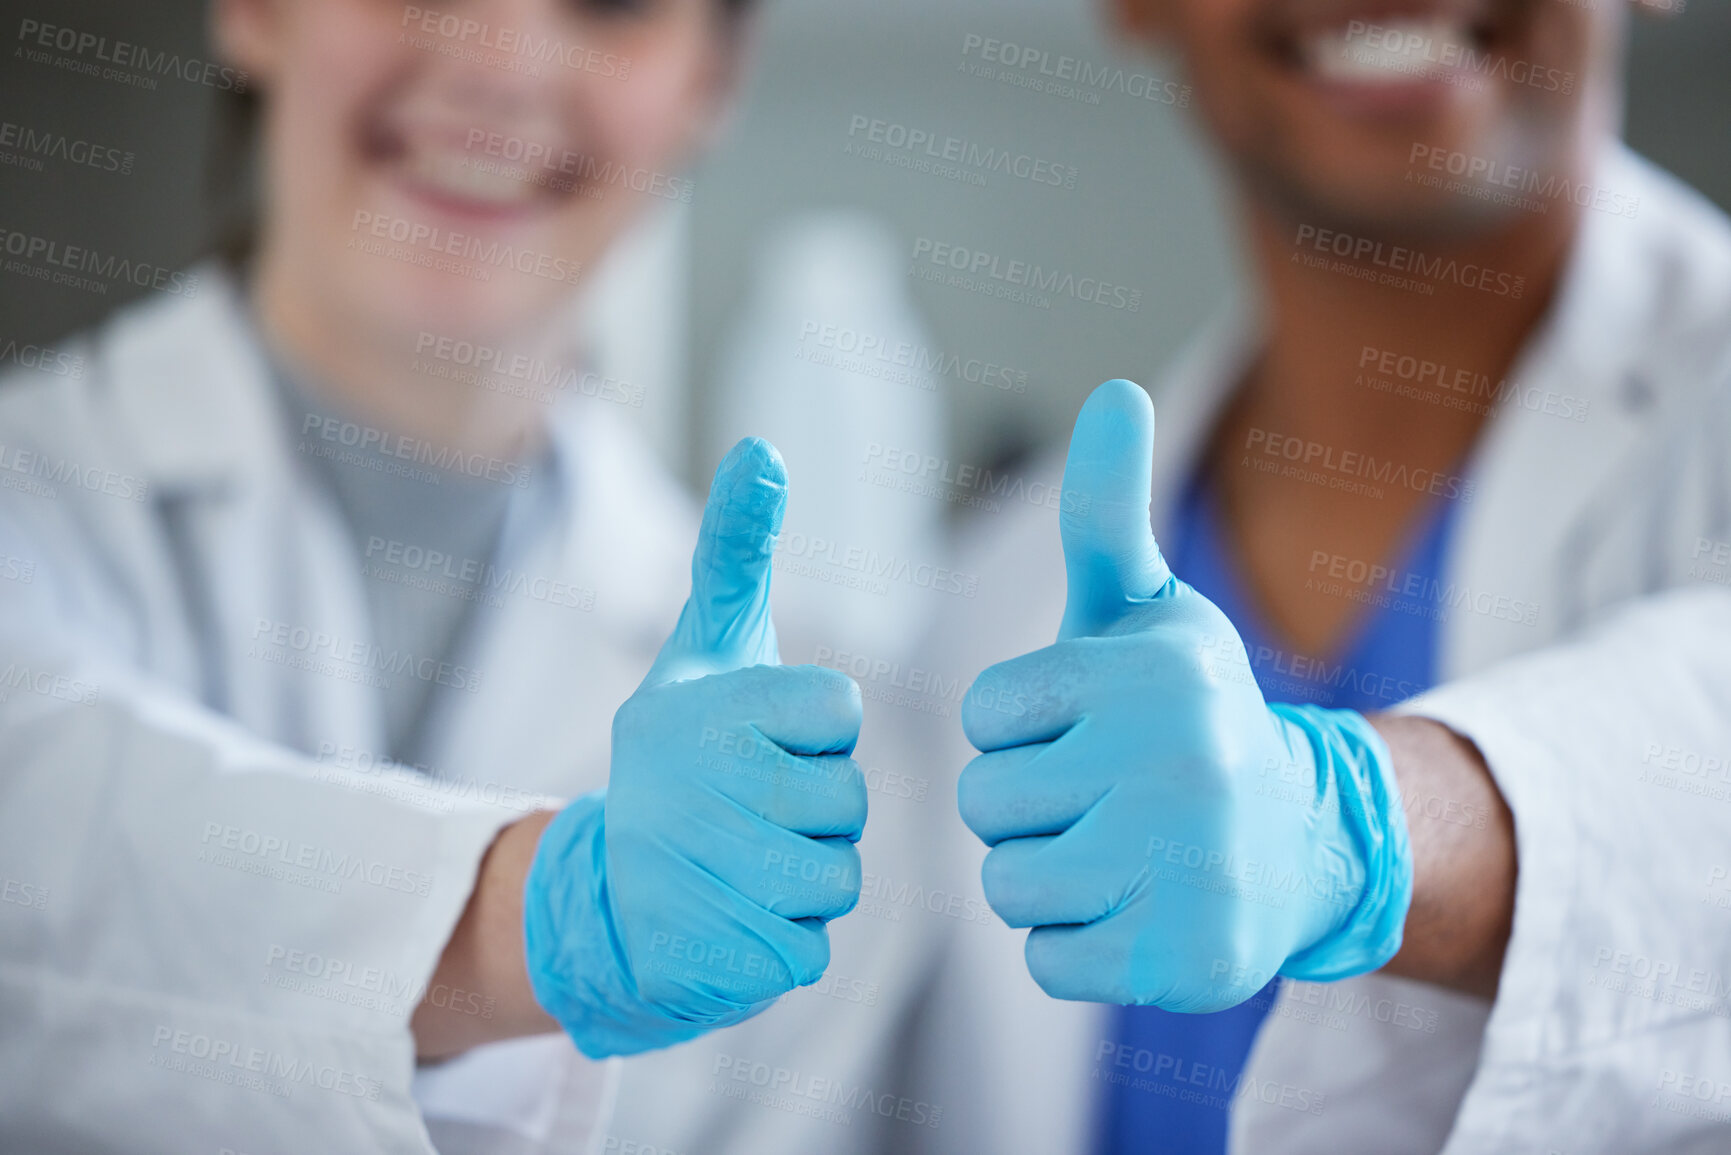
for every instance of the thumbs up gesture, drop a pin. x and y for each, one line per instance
(1171, 838)
(696, 889)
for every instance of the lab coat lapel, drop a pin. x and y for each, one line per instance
(589, 584)
(1515, 563)
(260, 551)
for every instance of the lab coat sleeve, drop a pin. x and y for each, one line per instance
(1611, 1030)
(206, 942)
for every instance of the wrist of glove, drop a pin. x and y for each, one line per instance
(576, 953)
(1365, 874)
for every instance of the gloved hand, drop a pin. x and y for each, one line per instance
(1172, 839)
(694, 890)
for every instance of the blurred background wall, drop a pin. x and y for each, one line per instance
(1145, 211)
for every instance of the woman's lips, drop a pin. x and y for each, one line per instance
(480, 188)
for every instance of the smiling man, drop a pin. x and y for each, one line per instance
(1365, 812)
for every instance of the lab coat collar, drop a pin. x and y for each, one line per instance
(1620, 278)
(193, 400)
(1606, 290)
(193, 382)
(1612, 339)
(191, 387)
(1610, 288)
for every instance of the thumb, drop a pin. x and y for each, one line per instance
(1110, 554)
(726, 623)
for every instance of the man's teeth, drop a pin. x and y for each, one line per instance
(457, 175)
(1399, 51)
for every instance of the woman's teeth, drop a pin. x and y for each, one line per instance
(1400, 51)
(464, 177)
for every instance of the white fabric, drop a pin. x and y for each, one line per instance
(151, 712)
(1609, 525)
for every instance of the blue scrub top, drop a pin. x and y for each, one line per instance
(1183, 1103)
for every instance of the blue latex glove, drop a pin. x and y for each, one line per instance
(695, 889)
(1172, 839)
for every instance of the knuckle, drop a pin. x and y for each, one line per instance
(846, 867)
(810, 968)
(823, 689)
(841, 686)
(972, 797)
(980, 708)
(1049, 969)
(858, 799)
(842, 695)
(1002, 883)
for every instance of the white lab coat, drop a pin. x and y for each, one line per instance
(1607, 723)
(218, 908)
(238, 905)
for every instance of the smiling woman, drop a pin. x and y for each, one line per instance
(455, 171)
(231, 159)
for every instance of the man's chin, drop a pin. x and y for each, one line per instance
(1389, 208)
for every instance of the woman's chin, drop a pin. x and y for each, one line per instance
(472, 303)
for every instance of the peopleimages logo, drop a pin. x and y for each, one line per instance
(470, 579)
(86, 53)
(439, 242)
(981, 487)
(25, 147)
(78, 267)
(913, 146)
(903, 362)
(1483, 178)
(486, 366)
(45, 684)
(1388, 587)
(527, 47)
(438, 459)
(566, 170)
(983, 272)
(228, 1061)
(1345, 469)
(856, 567)
(1451, 387)
(828, 1099)
(1391, 264)
(224, 845)
(1067, 76)
(300, 647)
(1450, 61)
(41, 358)
(19, 464)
